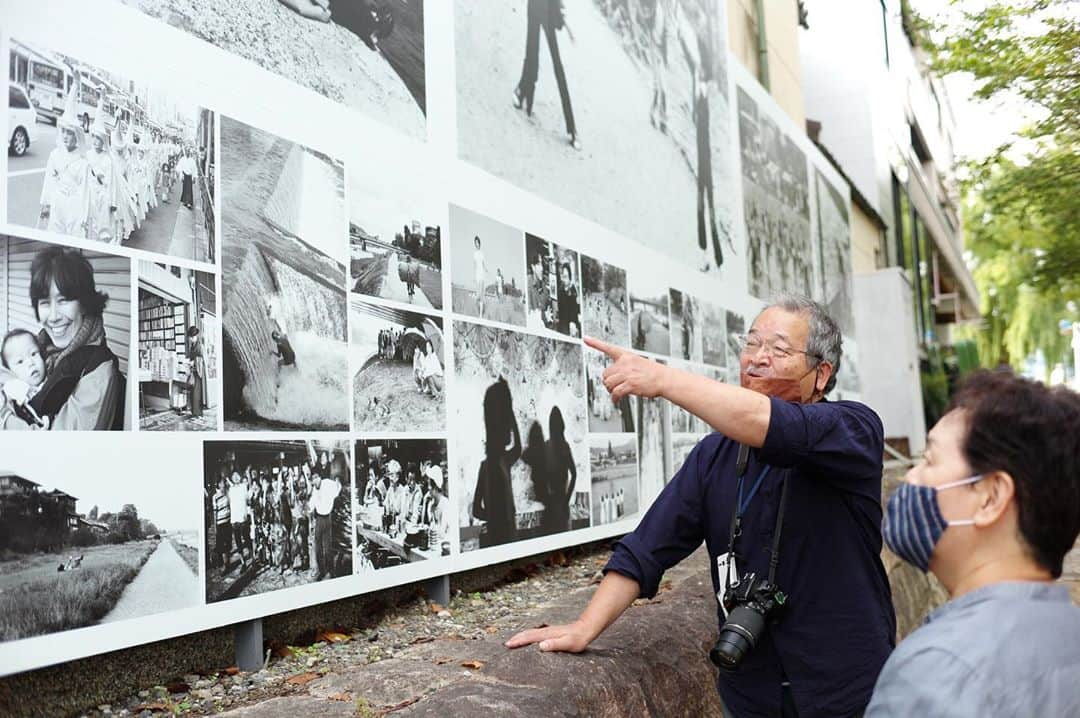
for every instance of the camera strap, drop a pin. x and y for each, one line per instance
(739, 509)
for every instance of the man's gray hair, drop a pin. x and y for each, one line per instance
(824, 341)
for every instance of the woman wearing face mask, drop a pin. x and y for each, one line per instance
(84, 390)
(991, 511)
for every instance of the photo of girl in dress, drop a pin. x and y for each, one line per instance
(487, 268)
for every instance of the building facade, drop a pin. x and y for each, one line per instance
(854, 75)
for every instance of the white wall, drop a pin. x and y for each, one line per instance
(888, 359)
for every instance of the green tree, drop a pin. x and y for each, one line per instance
(1021, 211)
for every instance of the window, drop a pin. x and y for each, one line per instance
(17, 99)
(51, 76)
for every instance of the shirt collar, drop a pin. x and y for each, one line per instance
(1004, 591)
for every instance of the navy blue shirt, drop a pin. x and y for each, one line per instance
(839, 626)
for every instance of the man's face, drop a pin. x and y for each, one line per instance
(99, 143)
(68, 137)
(23, 357)
(791, 375)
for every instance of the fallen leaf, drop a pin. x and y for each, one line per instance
(178, 687)
(331, 636)
(475, 665)
(231, 671)
(302, 679)
(422, 639)
(443, 661)
(344, 697)
(435, 607)
(491, 629)
(402, 704)
(281, 650)
(558, 559)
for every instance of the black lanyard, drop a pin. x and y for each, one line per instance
(739, 509)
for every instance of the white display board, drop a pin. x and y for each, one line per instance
(303, 317)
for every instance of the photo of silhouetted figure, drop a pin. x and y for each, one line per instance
(494, 498)
(548, 16)
(559, 464)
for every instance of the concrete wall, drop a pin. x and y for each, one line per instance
(888, 358)
(865, 242)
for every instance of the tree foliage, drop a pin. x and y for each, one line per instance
(1021, 214)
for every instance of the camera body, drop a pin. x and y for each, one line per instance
(751, 603)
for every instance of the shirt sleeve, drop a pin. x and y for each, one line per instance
(927, 682)
(835, 440)
(671, 529)
(94, 403)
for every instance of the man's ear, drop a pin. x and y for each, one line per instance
(997, 493)
(824, 373)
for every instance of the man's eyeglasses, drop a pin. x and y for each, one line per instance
(750, 344)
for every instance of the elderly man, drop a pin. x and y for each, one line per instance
(784, 462)
(992, 510)
(65, 194)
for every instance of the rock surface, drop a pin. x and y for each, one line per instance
(651, 662)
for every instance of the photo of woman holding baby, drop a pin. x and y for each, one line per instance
(59, 371)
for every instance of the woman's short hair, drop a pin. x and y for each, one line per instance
(73, 276)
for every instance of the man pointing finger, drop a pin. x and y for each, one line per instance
(786, 496)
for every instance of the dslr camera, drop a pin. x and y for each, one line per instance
(751, 603)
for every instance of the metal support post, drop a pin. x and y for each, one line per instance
(438, 590)
(248, 640)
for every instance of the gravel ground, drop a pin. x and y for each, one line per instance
(471, 615)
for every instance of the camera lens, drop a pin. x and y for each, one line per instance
(737, 636)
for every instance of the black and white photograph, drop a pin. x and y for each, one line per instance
(400, 363)
(277, 514)
(604, 414)
(88, 540)
(713, 330)
(179, 334)
(614, 473)
(834, 245)
(401, 511)
(487, 268)
(519, 433)
(108, 158)
(848, 383)
(682, 421)
(736, 328)
(686, 329)
(653, 419)
(577, 102)
(367, 55)
(650, 320)
(554, 287)
(65, 338)
(395, 232)
(776, 204)
(681, 446)
(604, 314)
(284, 314)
